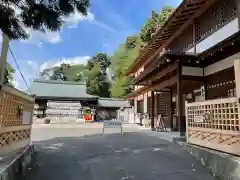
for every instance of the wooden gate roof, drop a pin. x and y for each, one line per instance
(181, 18)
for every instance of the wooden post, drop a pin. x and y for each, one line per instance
(170, 116)
(153, 103)
(205, 86)
(237, 2)
(3, 58)
(237, 77)
(156, 104)
(180, 101)
(194, 36)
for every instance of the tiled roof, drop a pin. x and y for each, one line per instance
(110, 102)
(59, 89)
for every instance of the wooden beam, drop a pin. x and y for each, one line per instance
(163, 84)
(179, 31)
(164, 71)
(3, 58)
(188, 23)
(193, 78)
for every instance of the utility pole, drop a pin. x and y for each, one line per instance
(3, 58)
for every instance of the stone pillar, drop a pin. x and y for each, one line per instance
(237, 76)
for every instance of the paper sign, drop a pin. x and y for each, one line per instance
(198, 119)
(26, 117)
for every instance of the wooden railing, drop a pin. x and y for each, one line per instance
(16, 111)
(214, 124)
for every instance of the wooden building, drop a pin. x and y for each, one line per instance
(193, 60)
(65, 100)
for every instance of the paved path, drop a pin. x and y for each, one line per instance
(134, 156)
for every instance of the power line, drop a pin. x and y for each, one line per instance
(15, 60)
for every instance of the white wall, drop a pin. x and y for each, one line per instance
(211, 69)
(192, 71)
(221, 65)
(223, 33)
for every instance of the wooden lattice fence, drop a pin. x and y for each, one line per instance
(16, 111)
(214, 124)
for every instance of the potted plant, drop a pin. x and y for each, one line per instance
(47, 121)
(87, 114)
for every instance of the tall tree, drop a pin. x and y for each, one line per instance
(128, 52)
(102, 60)
(154, 23)
(121, 60)
(97, 83)
(40, 15)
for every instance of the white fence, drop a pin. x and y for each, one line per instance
(126, 115)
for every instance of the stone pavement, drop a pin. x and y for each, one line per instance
(69, 154)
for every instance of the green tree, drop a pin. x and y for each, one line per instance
(58, 73)
(97, 83)
(131, 42)
(127, 53)
(8, 75)
(122, 87)
(121, 60)
(39, 15)
(154, 23)
(79, 77)
(102, 60)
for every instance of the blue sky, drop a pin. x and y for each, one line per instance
(108, 24)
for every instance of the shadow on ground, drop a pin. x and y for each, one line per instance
(114, 157)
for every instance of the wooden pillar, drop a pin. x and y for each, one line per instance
(156, 104)
(237, 2)
(193, 96)
(194, 35)
(3, 58)
(180, 101)
(170, 116)
(205, 86)
(237, 77)
(153, 103)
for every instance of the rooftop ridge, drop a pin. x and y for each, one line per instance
(113, 99)
(58, 82)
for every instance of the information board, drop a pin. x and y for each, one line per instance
(26, 117)
(198, 119)
(114, 123)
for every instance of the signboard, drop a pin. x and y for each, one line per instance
(114, 123)
(26, 117)
(198, 119)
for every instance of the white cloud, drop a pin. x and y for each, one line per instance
(71, 61)
(30, 69)
(38, 37)
(76, 17)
